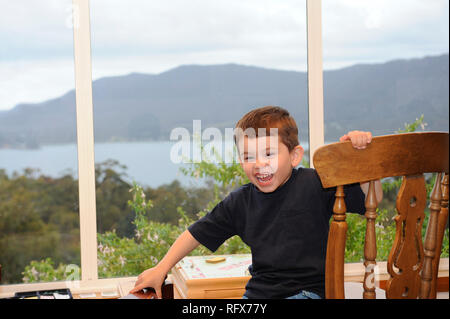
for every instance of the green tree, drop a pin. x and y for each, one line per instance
(152, 225)
(37, 218)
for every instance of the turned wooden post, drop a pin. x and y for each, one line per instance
(442, 222)
(370, 244)
(430, 239)
(334, 278)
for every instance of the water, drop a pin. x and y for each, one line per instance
(148, 163)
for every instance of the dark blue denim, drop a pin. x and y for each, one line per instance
(301, 295)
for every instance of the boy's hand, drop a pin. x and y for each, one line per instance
(151, 277)
(359, 139)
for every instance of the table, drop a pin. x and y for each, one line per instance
(193, 277)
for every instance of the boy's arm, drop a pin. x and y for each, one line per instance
(359, 141)
(154, 277)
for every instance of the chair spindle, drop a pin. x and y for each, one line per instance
(336, 248)
(430, 239)
(442, 222)
(370, 243)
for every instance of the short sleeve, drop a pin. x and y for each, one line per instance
(215, 227)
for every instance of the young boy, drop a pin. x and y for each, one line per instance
(282, 215)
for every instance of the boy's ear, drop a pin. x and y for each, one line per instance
(296, 155)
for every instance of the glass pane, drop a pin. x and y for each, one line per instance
(160, 65)
(386, 63)
(386, 71)
(39, 220)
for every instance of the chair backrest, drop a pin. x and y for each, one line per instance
(412, 264)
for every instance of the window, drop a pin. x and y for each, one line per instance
(195, 67)
(131, 41)
(385, 64)
(39, 220)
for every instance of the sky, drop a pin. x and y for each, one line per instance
(36, 51)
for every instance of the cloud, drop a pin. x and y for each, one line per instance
(35, 30)
(153, 36)
(362, 31)
(34, 81)
(266, 33)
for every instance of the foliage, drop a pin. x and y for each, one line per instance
(130, 256)
(412, 127)
(45, 271)
(39, 217)
(385, 229)
(39, 214)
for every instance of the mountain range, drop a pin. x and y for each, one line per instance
(140, 107)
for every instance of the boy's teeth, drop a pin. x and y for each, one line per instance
(263, 176)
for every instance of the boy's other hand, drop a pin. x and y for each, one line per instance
(151, 277)
(359, 139)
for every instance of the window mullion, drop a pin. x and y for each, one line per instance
(85, 139)
(315, 76)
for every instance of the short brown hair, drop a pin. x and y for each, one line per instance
(271, 117)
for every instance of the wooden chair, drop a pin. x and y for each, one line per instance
(412, 264)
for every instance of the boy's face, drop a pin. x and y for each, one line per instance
(267, 162)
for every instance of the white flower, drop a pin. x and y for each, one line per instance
(122, 260)
(34, 272)
(106, 250)
(379, 225)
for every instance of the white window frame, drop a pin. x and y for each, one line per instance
(315, 76)
(85, 142)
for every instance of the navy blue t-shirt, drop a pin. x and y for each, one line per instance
(287, 231)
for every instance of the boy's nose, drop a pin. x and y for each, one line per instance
(261, 162)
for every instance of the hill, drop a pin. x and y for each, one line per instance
(136, 107)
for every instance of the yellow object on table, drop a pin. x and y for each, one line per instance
(215, 260)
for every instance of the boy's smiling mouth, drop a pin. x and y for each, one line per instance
(264, 178)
